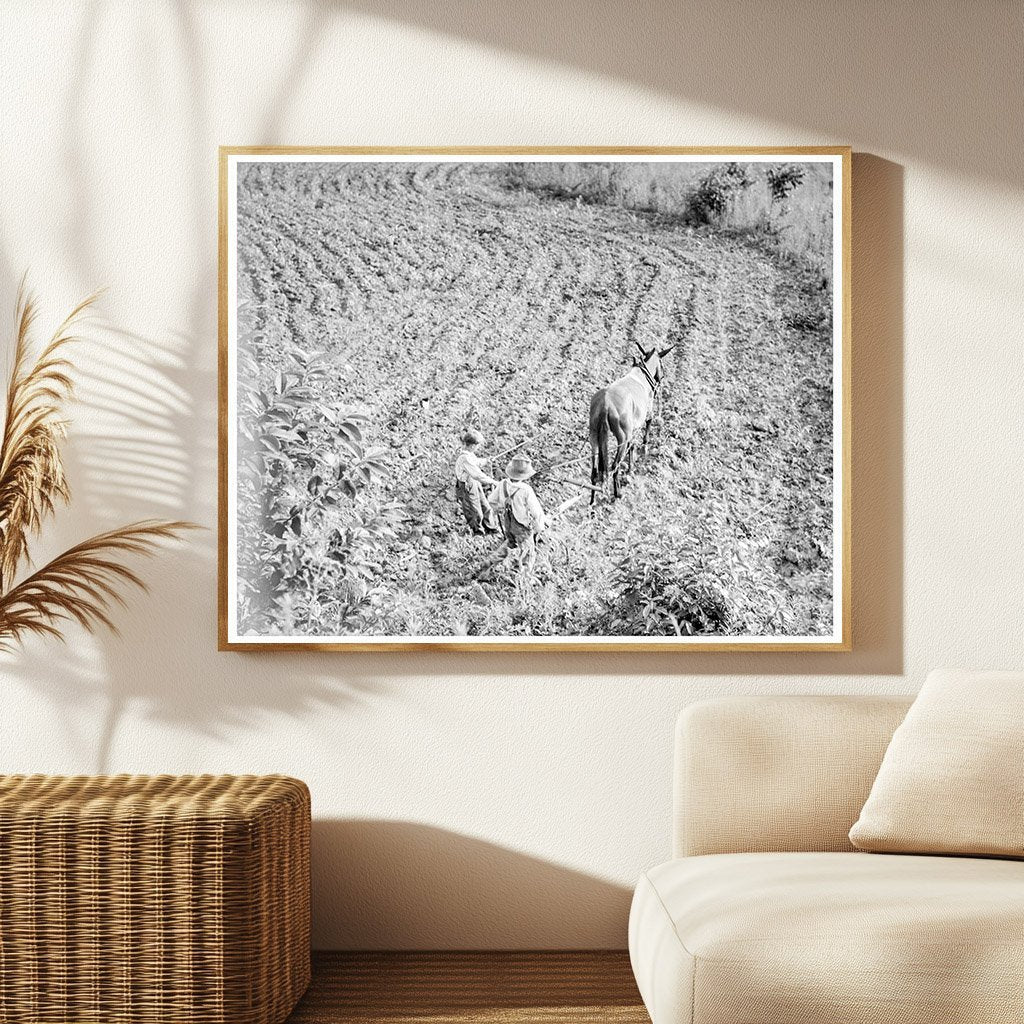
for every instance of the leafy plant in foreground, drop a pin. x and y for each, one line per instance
(314, 543)
(669, 586)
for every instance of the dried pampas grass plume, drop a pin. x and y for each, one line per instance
(84, 582)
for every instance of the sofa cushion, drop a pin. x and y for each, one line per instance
(765, 773)
(950, 781)
(833, 938)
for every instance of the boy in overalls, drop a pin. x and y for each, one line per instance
(520, 512)
(470, 478)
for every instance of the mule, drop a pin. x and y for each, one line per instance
(620, 411)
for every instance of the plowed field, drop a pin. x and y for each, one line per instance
(445, 295)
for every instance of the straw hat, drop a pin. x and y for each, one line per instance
(471, 436)
(520, 468)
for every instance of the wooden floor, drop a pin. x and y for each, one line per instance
(465, 988)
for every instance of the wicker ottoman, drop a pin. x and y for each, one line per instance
(135, 899)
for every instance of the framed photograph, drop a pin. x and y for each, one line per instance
(519, 398)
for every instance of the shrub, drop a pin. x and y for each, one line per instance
(659, 601)
(783, 179)
(711, 200)
(669, 585)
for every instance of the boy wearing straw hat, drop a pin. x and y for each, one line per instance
(520, 512)
(470, 478)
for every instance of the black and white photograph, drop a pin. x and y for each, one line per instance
(569, 399)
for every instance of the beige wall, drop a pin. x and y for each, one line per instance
(484, 800)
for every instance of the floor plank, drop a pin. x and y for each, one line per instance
(472, 988)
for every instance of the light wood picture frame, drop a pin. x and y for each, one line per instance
(525, 319)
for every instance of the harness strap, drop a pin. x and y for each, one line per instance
(647, 374)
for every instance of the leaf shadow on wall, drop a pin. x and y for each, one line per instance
(405, 885)
(934, 83)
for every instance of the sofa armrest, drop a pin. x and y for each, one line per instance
(759, 774)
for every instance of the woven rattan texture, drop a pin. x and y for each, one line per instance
(144, 899)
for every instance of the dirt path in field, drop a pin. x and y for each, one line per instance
(446, 297)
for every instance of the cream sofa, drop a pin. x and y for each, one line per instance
(769, 916)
